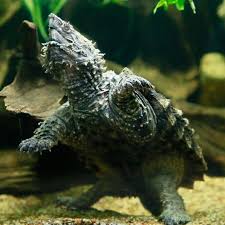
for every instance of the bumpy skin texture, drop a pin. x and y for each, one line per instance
(138, 143)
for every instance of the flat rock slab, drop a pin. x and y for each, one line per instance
(212, 80)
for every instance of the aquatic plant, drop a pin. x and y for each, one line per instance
(180, 4)
(105, 2)
(35, 9)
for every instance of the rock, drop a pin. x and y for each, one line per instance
(5, 55)
(212, 80)
(11, 205)
(30, 82)
(221, 10)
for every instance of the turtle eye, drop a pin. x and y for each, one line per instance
(66, 27)
(59, 23)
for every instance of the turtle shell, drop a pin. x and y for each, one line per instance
(180, 136)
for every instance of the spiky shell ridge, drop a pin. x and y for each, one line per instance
(176, 129)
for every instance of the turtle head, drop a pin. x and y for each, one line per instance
(67, 49)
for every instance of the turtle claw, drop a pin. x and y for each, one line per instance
(171, 217)
(70, 203)
(34, 144)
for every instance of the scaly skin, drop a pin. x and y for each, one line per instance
(139, 142)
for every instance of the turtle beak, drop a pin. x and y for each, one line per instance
(52, 18)
(54, 28)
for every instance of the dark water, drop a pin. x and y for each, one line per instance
(16, 174)
(24, 174)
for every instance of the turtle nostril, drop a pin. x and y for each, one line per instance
(51, 16)
(70, 41)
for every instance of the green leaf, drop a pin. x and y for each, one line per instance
(39, 19)
(106, 2)
(161, 3)
(35, 6)
(119, 2)
(57, 5)
(180, 4)
(30, 6)
(192, 4)
(171, 2)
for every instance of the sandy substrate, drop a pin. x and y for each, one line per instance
(206, 205)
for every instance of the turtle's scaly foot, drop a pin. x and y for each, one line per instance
(34, 144)
(174, 217)
(71, 203)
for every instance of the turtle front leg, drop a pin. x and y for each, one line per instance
(49, 133)
(85, 200)
(166, 200)
(128, 84)
(161, 196)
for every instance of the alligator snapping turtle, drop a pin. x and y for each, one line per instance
(131, 135)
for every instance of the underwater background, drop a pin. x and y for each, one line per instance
(176, 45)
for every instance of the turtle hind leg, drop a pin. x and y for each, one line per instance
(109, 185)
(162, 176)
(162, 199)
(84, 201)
